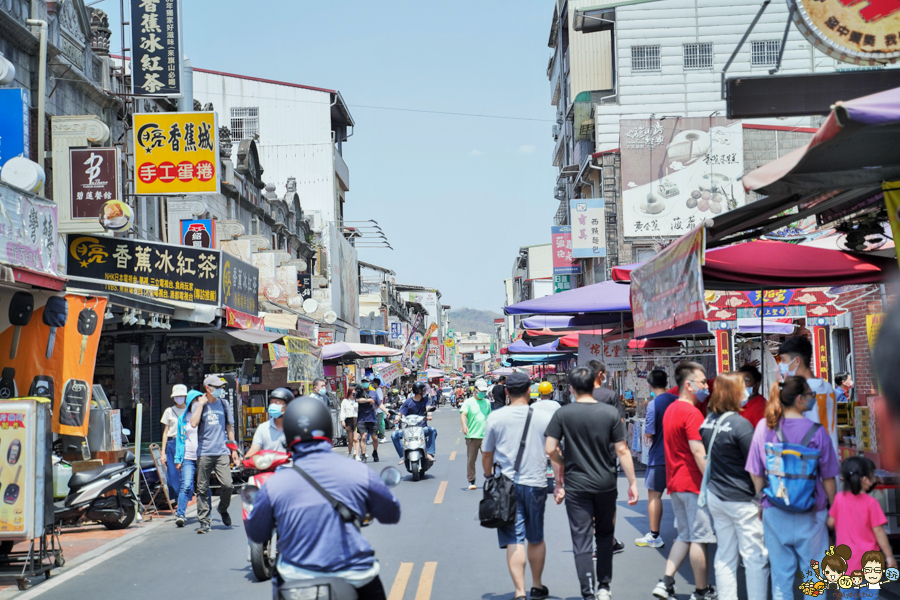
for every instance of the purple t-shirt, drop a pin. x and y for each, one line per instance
(794, 430)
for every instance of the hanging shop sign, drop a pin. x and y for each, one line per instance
(28, 231)
(180, 273)
(724, 350)
(676, 173)
(240, 285)
(791, 304)
(95, 182)
(821, 353)
(304, 360)
(176, 153)
(14, 138)
(325, 338)
(423, 345)
(563, 262)
(198, 233)
(860, 33)
(667, 291)
(241, 320)
(594, 347)
(304, 285)
(395, 331)
(873, 325)
(588, 219)
(156, 48)
(450, 342)
(562, 283)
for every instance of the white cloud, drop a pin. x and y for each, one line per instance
(526, 149)
(476, 152)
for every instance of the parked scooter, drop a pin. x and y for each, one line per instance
(413, 443)
(87, 499)
(264, 464)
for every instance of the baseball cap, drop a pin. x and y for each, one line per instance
(518, 382)
(179, 389)
(481, 385)
(214, 381)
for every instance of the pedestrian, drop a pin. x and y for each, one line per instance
(793, 538)
(380, 412)
(366, 423)
(754, 407)
(212, 417)
(856, 517)
(593, 435)
(349, 411)
(186, 459)
(473, 415)
(270, 435)
(498, 394)
(730, 493)
(685, 464)
(794, 356)
(417, 404)
(844, 385)
(319, 390)
(655, 478)
(605, 394)
(526, 466)
(170, 418)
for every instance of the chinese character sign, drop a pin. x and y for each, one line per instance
(588, 220)
(28, 233)
(678, 172)
(850, 30)
(156, 47)
(178, 272)
(561, 247)
(593, 347)
(240, 285)
(198, 233)
(176, 153)
(94, 174)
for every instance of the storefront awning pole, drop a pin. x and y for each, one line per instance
(762, 340)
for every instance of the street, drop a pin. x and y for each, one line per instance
(438, 551)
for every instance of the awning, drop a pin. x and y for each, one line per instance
(772, 327)
(606, 297)
(253, 336)
(348, 352)
(560, 323)
(571, 340)
(33, 278)
(522, 347)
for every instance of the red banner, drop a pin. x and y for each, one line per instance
(724, 351)
(239, 320)
(820, 349)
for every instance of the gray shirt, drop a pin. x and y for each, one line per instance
(503, 435)
(269, 437)
(211, 435)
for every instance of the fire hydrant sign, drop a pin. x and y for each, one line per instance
(176, 153)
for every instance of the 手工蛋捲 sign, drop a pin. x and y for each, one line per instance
(176, 153)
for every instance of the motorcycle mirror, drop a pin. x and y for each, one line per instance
(391, 476)
(248, 494)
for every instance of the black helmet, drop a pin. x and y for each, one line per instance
(307, 419)
(418, 388)
(281, 394)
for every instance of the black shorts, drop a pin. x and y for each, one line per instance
(350, 422)
(366, 427)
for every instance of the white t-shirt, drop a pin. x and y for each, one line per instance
(825, 409)
(349, 409)
(190, 442)
(503, 436)
(170, 418)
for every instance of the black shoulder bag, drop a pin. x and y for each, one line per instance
(498, 506)
(347, 515)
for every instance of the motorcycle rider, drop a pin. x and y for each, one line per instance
(308, 524)
(270, 435)
(417, 405)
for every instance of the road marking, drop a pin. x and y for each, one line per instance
(439, 498)
(400, 581)
(426, 581)
(457, 441)
(453, 455)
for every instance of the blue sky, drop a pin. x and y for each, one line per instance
(457, 196)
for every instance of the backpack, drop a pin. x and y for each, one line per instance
(498, 506)
(791, 472)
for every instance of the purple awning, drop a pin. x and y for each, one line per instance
(565, 324)
(745, 325)
(606, 297)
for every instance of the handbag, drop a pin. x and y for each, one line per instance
(701, 500)
(498, 505)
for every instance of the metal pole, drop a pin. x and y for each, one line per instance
(137, 443)
(762, 340)
(42, 88)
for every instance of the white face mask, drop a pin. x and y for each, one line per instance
(179, 400)
(745, 399)
(786, 370)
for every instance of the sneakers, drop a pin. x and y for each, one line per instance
(357, 458)
(226, 519)
(363, 459)
(661, 591)
(603, 594)
(618, 547)
(540, 593)
(649, 540)
(203, 529)
(375, 456)
(708, 594)
(179, 521)
(472, 485)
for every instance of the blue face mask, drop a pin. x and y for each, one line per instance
(811, 404)
(700, 394)
(275, 410)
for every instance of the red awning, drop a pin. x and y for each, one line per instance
(571, 340)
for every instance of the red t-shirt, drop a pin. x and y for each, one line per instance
(755, 410)
(681, 423)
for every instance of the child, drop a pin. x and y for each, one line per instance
(856, 517)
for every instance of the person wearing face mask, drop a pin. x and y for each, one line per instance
(794, 356)
(655, 478)
(685, 464)
(320, 390)
(753, 406)
(270, 435)
(473, 416)
(170, 418)
(844, 385)
(792, 538)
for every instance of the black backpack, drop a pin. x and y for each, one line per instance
(498, 505)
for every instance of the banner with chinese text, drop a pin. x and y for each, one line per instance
(94, 175)
(588, 219)
(561, 246)
(420, 351)
(240, 285)
(28, 231)
(176, 153)
(593, 347)
(156, 48)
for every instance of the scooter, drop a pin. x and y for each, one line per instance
(87, 499)
(264, 464)
(413, 443)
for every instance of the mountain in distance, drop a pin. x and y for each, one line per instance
(464, 320)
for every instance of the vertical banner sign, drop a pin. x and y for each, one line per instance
(198, 233)
(724, 350)
(563, 263)
(94, 174)
(873, 324)
(176, 153)
(821, 352)
(588, 219)
(420, 351)
(156, 48)
(14, 138)
(240, 285)
(562, 283)
(304, 285)
(667, 291)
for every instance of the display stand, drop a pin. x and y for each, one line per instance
(163, 490)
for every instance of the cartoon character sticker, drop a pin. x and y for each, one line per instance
(833, 574)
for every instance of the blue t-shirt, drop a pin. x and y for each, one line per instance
(211, 434)
(366, 412)
(411, 407)
(656, 456)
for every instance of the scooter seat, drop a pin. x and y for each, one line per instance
(85, 477)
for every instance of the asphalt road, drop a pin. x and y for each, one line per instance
(438, 551)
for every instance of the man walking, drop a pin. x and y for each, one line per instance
(655, 480)
(526, 465)
(685, 464)
(498, 394)
(320, 390)
(380, 413)
(366, 421)
(794, 356)
(594, 436)
(212, 418)
(473, 416)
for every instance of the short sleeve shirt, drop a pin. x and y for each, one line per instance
(170, 418)
(503, 436)
(211, 434)
(855, 516)
(269, 437)
(755, 410)
(728, 479)
(476, 412)
(681, 425)
(367, 410)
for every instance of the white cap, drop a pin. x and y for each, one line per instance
(481, 385)
(179, 389)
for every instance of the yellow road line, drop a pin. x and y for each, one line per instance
(426, 581)
(400, 581)
(453, 455)
(439, 498)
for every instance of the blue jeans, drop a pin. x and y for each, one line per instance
(430, 439)
(186, 492)
(793, 539)
(173, 475)
(529, 525)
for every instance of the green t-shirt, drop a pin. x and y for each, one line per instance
(476, 414)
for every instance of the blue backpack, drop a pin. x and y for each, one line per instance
(791, 472)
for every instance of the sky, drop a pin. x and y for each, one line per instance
(456, 195)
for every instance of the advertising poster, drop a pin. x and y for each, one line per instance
(240, 285)
(610, 353)
(344, 289)
(15, 453)
(304, 360)
(176, 153)
(156, 47)
(561, 242)
(423, 345)
(94, 174)
(184, 360)
(588, 219)
(28, 231)
(677, 172)
(278, 356)
(198, 233)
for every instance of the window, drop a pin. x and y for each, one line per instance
(764, 53)
(698, 56)
(644, 59)
(244, 123)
